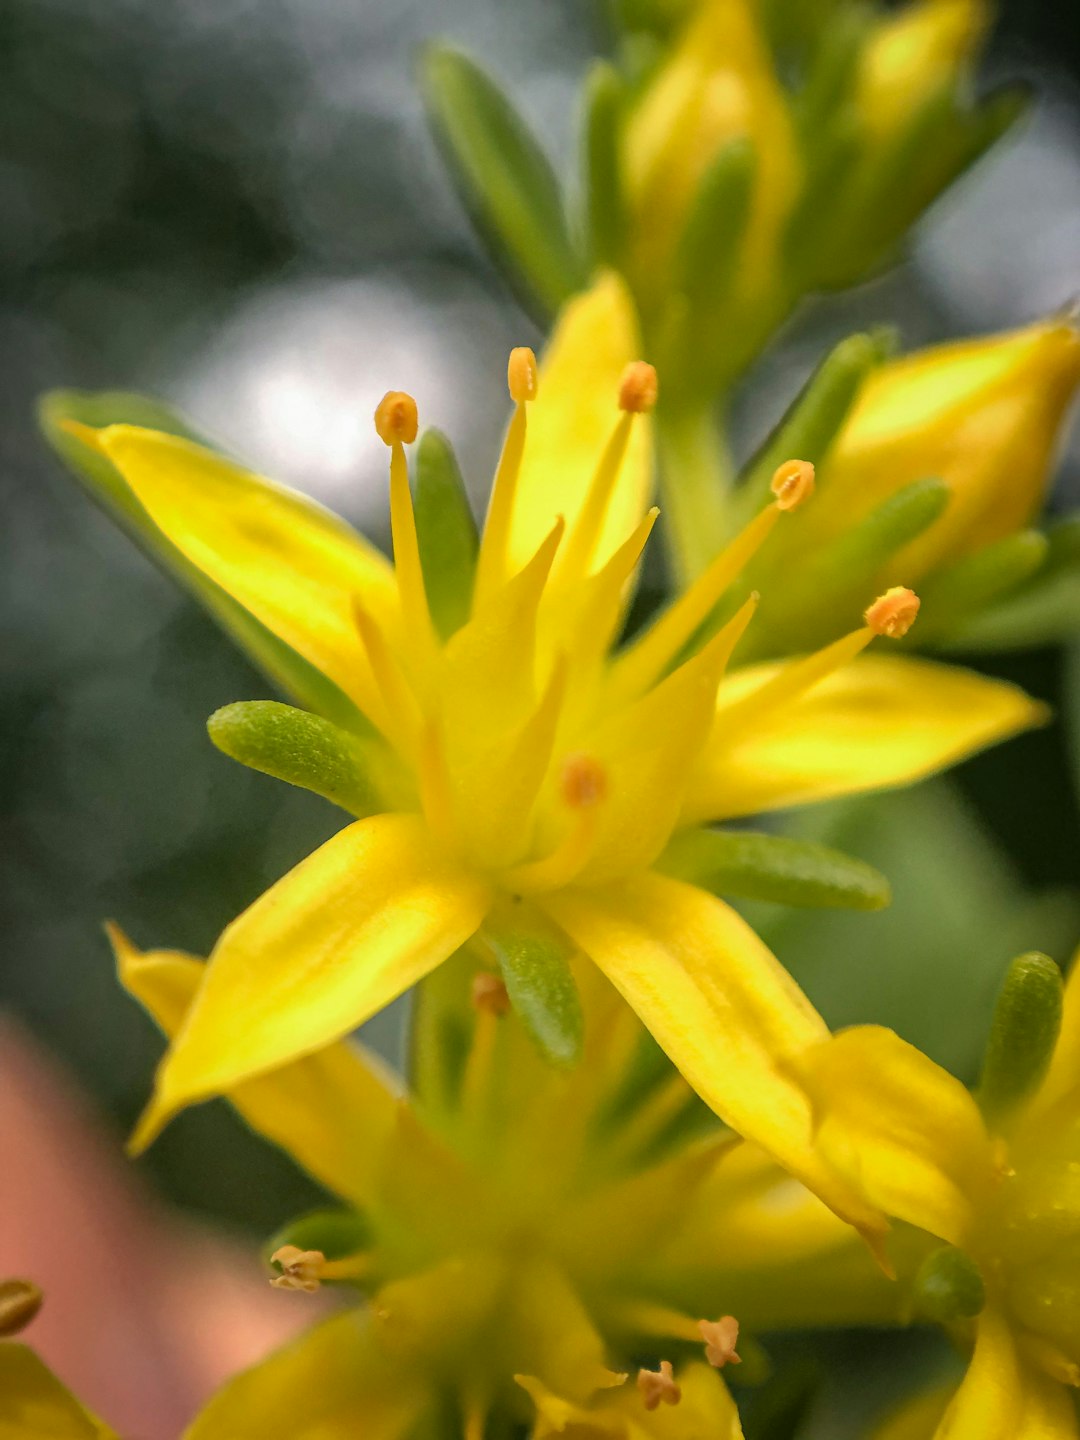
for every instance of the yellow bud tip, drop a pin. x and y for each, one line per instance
(488, 994)
(583, 782)
(521, 374)
(893, 613)
(300, 1269)
(20, 1301)
(658, 1387)
(396, 418)
(720, 1337)
(792, 483)
(638, 388)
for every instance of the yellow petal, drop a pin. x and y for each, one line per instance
(336, 1381)
(571, 420)
(720, 1004)
(1002, 1397)
(351, 928)
(912, 56)
(293, 565)
(1063, 1077)
(918, 1419)
(881, 721)
(903, 1130)
(34, 1405)
(705, 1411)
(332, 1110)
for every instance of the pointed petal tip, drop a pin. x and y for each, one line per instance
(149, 1126)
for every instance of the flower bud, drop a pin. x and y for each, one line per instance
(914, 54)
(983, 416)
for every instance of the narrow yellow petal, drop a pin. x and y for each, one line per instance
(570, 421)
(723, 1007)
(354, 925)
(903, 1130)
(293, 565)
(34, 1405)
(1063, 1077)
(335, 1380)
(331, 1110)
(1004, 1398)
(881, 721)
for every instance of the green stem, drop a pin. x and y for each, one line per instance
(695, 480)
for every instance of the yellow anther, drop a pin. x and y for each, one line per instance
(300, 1269)
(720, 1337)
(521, 374)
(396, 418)
(658, 1386)
(792, 483)
(20, 1301)
(583, 782)
(638, 387)
(488, 994)
(893, 613)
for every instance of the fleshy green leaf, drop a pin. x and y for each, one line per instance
(948, 1287)
(604, 200)
(709, 245)
(502, 175)
(1024, 1031)
(758, 866)
(445, 532)
(337, 1233)
(105, 485)
(535, 966)
(814, 418)
(301, 749)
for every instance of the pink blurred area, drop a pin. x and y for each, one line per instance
(145, 1313)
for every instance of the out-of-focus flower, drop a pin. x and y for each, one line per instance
(994, 1175)
(913, 55)
(520, 782)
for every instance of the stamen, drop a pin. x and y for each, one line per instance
(658, 1386)
(893, 613)
(521, 377)
(20, 1301)
(396, 418)
(720, 1337)
(583, 785)
(300, 1269)
(638, 387)
(488, 994)
(637, 395)
(792, 483)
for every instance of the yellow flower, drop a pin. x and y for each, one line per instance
(717, 85)
(528, 1234)
(35, 1405)
(526, 780)
(1002, 1188)
(913, 56)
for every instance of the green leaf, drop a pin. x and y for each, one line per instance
(1023, 1033)
(502, 175)
(605, 210)
(971, 584)
(337, 1233)
(107, 487)
(301, 749)
(774, 867)
(535, 966)
(948, 1287)
(445, 531)
(814, 418)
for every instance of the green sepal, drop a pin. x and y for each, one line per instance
(605, 202)
(106, 487)
(338, 1233)
(813, 420)
(965, 588)
(503, 177)
(1044, 612)
(756, 866)
(708, 249)
(832, 76)
(948, 1287)
(1023, 1032)
(535, 967)
(445, 532)
(301, 749)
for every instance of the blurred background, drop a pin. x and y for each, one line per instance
(234, 204)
